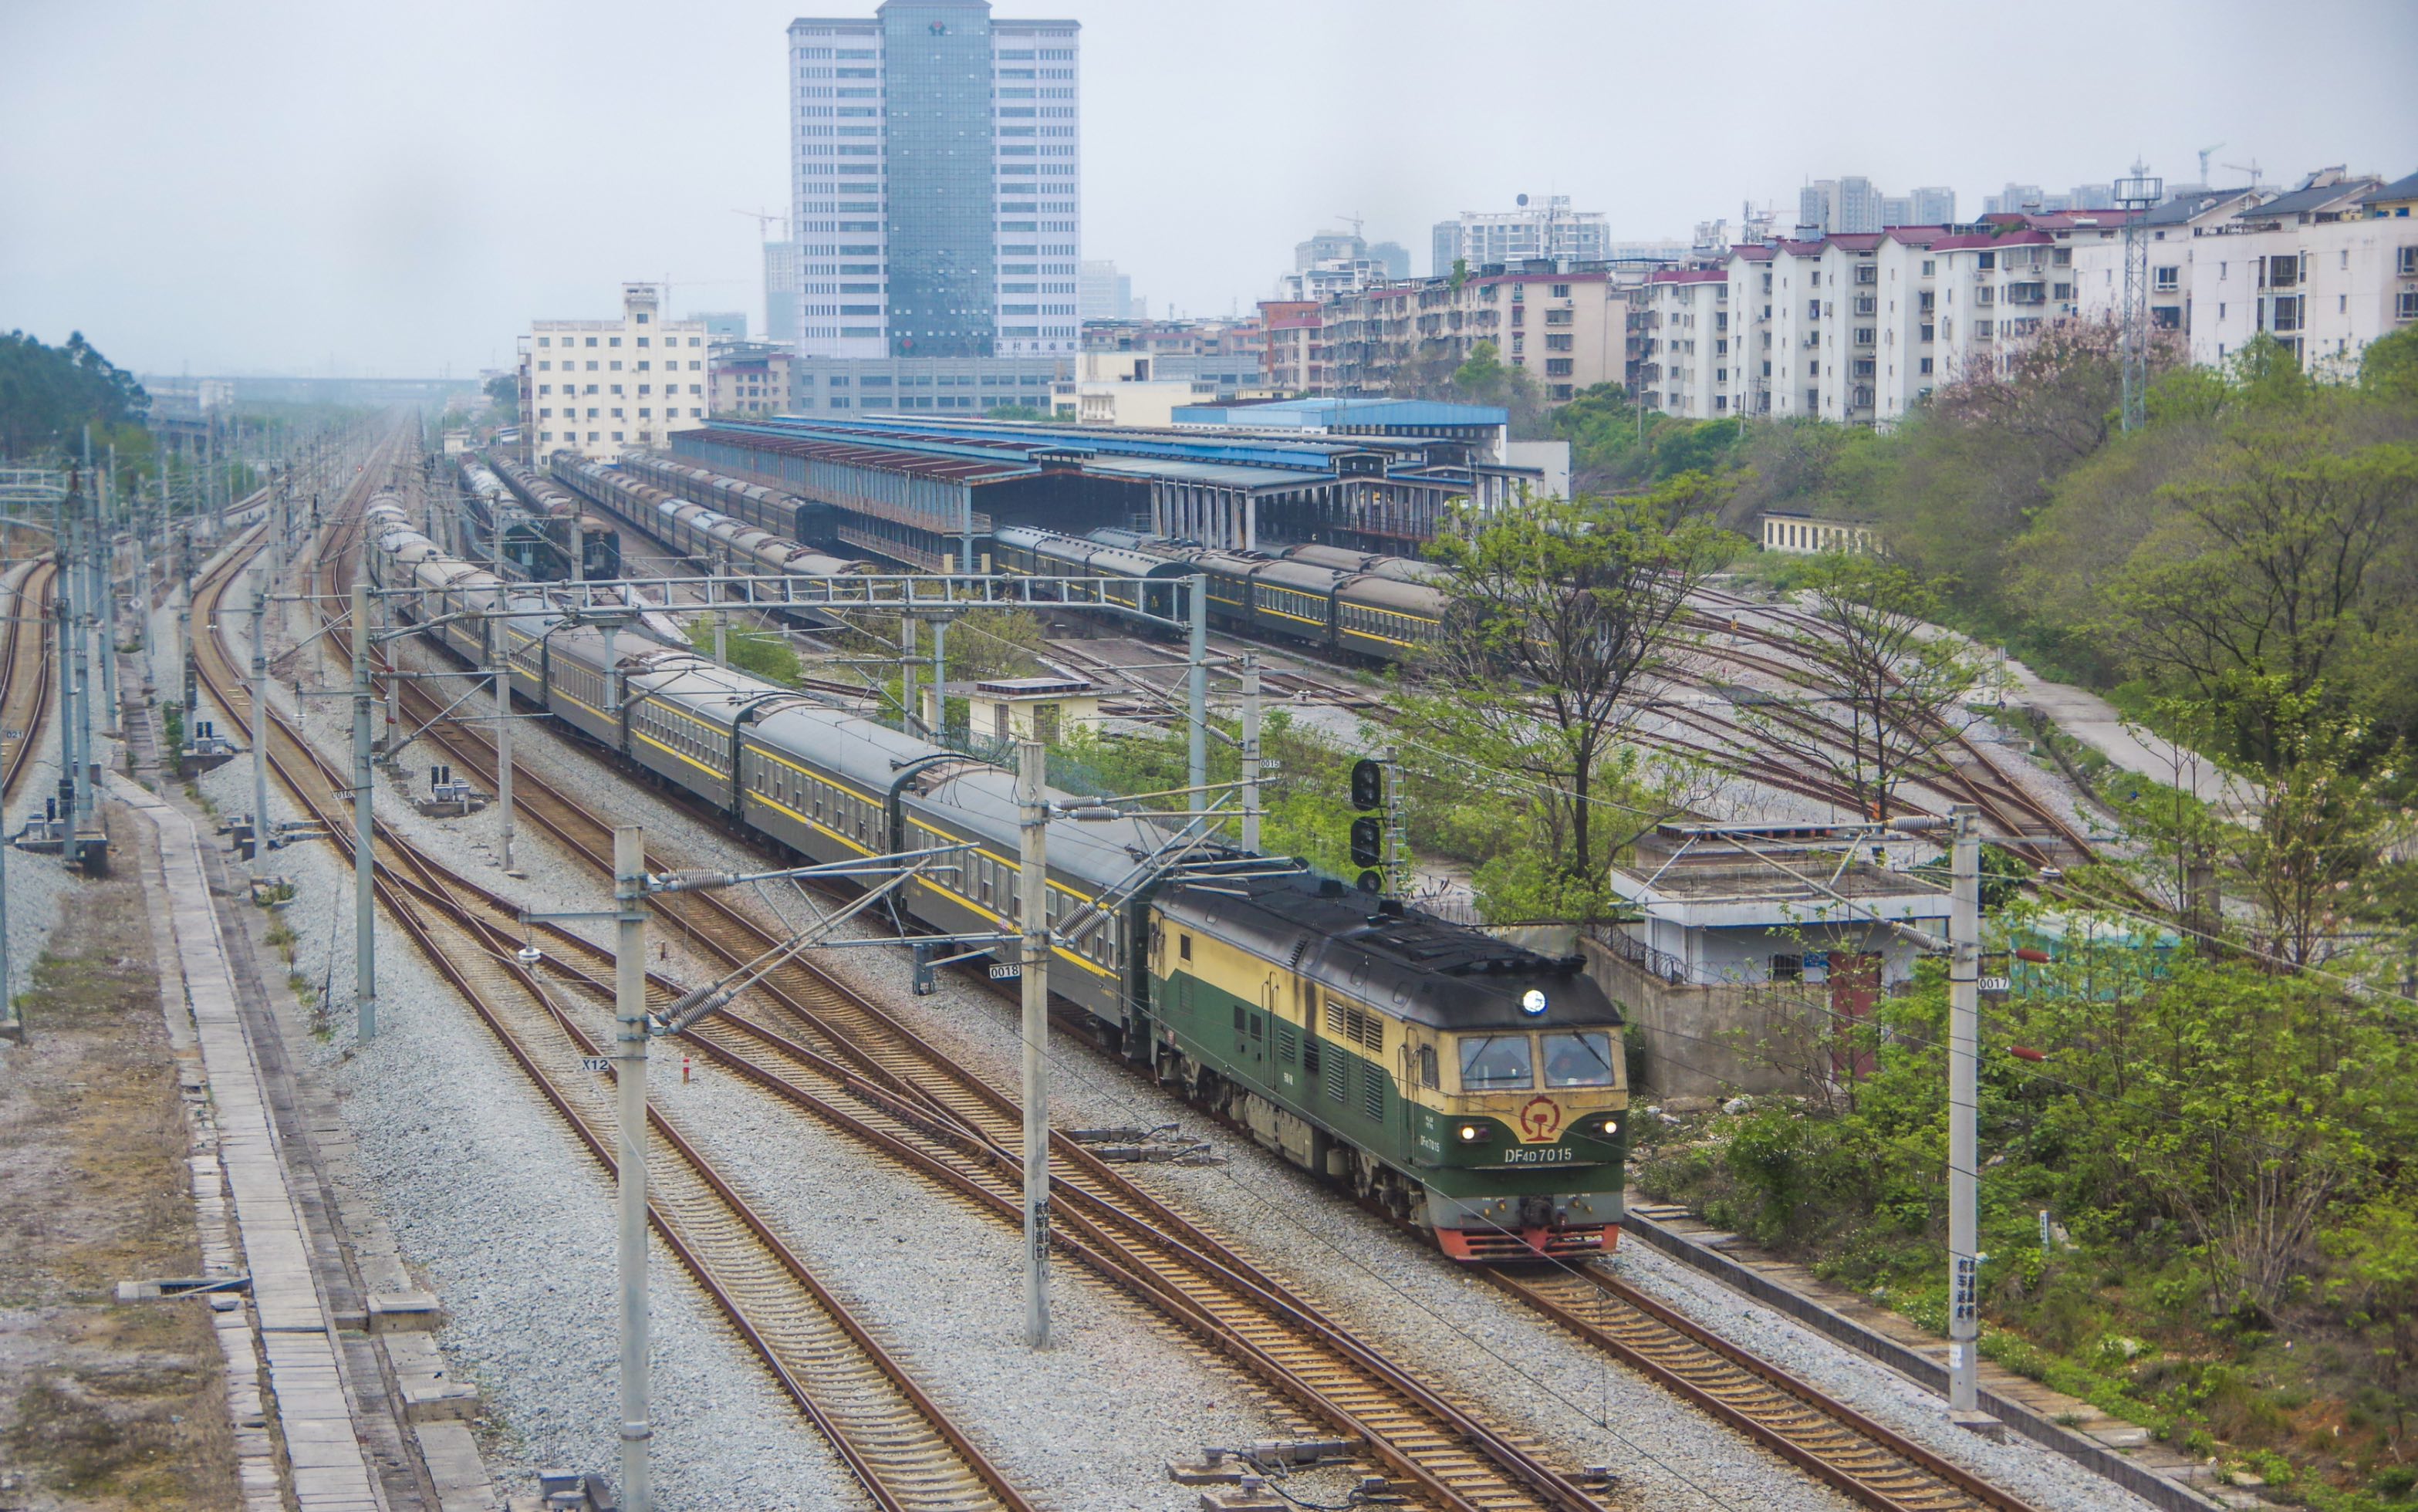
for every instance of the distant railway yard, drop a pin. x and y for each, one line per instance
(1334, 1191)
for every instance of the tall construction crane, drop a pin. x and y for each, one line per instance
(2205, 153)
(763, 218)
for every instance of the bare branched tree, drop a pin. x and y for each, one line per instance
(1880, 693)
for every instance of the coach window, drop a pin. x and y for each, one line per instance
(1496, 1063)
(1184, 947)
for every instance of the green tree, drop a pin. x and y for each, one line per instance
(2322, 820)
(1983, 458)
(761, 652)
(48, 395)
(1568, 619)
(2377, 1286)
(996, 643)
(1812, 468)
(1612, 448)
(2388, 369)
(2260, 582)
(1484, 378)
(504, 392)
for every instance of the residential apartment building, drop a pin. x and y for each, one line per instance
(2170, 228)
(1294, 360)
(1685, 346)
(1391, 257)
(1861, 328)
(1857, 328)
(1229, 356)
(1566, 330)
(2318, 267)
(934, 183)
(595, 386)
(1550, 229)
(1331, 278)
(2030, 199)
(2396, 201)
(783, 294)
(748, 377)
(1129, 386)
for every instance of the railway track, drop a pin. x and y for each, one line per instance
(26, 663)
(1848, 1451)
(2004, 803)
(2023, 823)
(829, 1050)
(901, 1445)
(810, 1040)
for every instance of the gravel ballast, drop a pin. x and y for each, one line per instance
(1089, 1424)
(478, 1180)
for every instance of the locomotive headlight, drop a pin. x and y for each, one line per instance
(1612, 1125)
(1475, 1133)
(1532, 1002)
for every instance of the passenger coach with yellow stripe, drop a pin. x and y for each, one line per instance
(1466, 1085)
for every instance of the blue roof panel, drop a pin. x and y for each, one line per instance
(1332, 413)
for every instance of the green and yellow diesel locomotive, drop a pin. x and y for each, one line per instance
(1469, 1086)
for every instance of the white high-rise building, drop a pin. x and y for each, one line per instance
(1552, 229)
(934, 183)
(1104, 292)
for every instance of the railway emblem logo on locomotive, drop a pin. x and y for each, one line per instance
(1540, 1121)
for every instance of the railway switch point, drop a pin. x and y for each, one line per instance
(1231, 1467)
(1274, 1454)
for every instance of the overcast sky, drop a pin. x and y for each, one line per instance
(297, 186)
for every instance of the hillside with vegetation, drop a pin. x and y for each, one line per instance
(2214, 1103)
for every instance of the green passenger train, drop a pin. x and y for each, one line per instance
(1469, 1086)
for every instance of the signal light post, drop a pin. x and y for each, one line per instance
(1379, 834)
